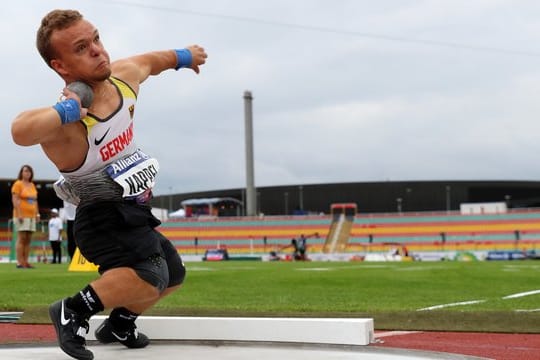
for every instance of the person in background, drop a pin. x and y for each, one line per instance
(69, 216)
(294, 245)
(55, 236)
(25, 214)
(302, 247)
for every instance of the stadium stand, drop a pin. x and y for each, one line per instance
(417, 232)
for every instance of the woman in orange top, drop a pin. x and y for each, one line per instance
(25, 213)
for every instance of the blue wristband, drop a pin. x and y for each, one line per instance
(183, 58)
(68, 110)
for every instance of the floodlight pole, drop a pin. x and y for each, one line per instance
(251, 199)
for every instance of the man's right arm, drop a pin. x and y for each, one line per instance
(42, 125)
(35, 126)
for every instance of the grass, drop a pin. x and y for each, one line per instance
(391, 293)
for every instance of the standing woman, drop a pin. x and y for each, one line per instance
(25, 213)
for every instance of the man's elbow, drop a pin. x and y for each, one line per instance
(20, 134)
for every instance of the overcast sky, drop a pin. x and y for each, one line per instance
(344, 91)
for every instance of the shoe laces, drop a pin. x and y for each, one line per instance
(132, 331)
(81, 326)
(82, 331)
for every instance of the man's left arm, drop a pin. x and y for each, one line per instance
(139, 67)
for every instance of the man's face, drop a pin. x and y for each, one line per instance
(80, 55)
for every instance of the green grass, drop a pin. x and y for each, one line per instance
(391, 293)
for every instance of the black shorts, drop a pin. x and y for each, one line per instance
(122, 234)
(162, 272)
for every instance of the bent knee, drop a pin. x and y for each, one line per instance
(154, 271)
(177, 274)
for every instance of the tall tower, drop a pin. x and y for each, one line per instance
(251, 197)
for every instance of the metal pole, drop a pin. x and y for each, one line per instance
(251, 199)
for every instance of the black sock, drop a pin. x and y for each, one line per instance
(86, 302)
(122, 319)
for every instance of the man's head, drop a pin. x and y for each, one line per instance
(53, 21)
(71, 46)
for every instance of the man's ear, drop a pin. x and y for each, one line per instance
(58, 66)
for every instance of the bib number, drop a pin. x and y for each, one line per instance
(136, 174)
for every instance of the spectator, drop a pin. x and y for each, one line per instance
(302, 247)
(25, 214)
(296, 253)
(55, 236)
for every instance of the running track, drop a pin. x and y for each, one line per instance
(488, 345)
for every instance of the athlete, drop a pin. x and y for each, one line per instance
(107, 176)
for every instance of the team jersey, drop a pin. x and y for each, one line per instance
(114, 168)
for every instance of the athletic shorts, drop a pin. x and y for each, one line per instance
(27, 224)
(122, 234)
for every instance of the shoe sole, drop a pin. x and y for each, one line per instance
(112, 339)
(100, 338)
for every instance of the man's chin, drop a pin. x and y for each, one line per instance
(104, 75)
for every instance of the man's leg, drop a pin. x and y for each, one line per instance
(122, 319)
(115, 288)
(122, 286)
(120, 326)
(142, 307)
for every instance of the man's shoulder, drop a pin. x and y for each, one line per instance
(125, 69)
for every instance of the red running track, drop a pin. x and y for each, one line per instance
(489, 345)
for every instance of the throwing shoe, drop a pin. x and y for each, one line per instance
(130, 338)
(71, 329)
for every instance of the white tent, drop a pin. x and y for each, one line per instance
(178, 213)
